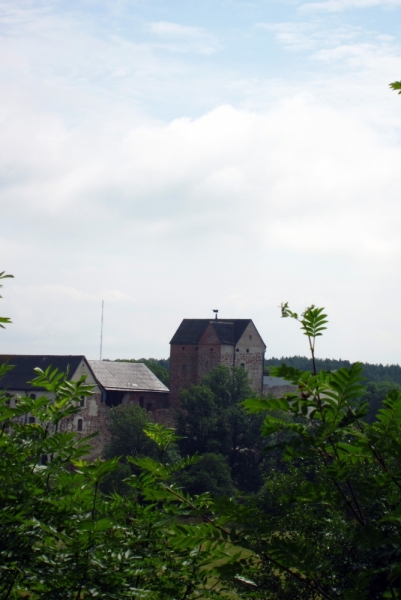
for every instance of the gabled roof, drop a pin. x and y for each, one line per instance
(228, 331)
(24, 365)
(126, 376)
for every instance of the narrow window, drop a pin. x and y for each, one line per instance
(242, 365)
(32, 419)
(237, 350)
(211, 349)
(250, 337)
(247, 350)
(184, 368)
(79, 428)
(149, 406)
(82, 401)
(32, 396)
(141, 402)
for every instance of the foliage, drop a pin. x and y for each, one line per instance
(212, 420)
(4, 320)
(160, 368)
(126, 425)
(60, 537)
(336, 533)
(375, 395)
(210, 474)
(396, 86)
(375, 373)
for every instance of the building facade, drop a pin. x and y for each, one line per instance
(199, 345)
(113, 384)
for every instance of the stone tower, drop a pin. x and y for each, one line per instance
(199, 345)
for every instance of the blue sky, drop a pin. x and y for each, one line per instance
(174, 157)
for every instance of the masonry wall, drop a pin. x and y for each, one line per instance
(183, 370)
(249, 354)
(91, 418)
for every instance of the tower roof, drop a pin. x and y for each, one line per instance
(228, 331)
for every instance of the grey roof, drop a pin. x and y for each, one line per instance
(24, 365)
(228, 331)
(126, 376)
(275, 381)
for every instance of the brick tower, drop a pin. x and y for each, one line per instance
(199, 345)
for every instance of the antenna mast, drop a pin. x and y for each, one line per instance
(101, 332)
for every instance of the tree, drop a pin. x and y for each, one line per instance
(336, 533)
(210, 474)
(212, 420)
(126, 428)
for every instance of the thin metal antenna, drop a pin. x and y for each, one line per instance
(101, 332)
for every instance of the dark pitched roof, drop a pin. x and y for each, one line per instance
(18, 377)
(228, 331)
(126, 376)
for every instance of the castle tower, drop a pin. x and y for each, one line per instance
(199, 345)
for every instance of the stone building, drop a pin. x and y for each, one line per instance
(199, 345)
(113, 383)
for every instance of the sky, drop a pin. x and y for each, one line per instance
(174, 157)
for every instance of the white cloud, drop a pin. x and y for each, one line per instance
(341, 5)
(165, 218)
(185, 38)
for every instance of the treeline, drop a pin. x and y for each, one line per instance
(377, 373)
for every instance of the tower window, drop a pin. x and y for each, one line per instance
(247, 350)
(79, 425)
(237, 350)
(141, 402)
(250, 337)
(242, 366)
(184, 368)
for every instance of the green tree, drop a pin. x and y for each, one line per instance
(336, 533)
(210, 474)
(127, 437)
(212, 420)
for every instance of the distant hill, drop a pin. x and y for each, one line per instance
(376, 373)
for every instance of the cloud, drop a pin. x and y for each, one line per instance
(264, 202)
(341, 5)
(167, 184)
(310, 35)
(185, 38)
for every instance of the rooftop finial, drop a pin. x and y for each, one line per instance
(215, 310)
